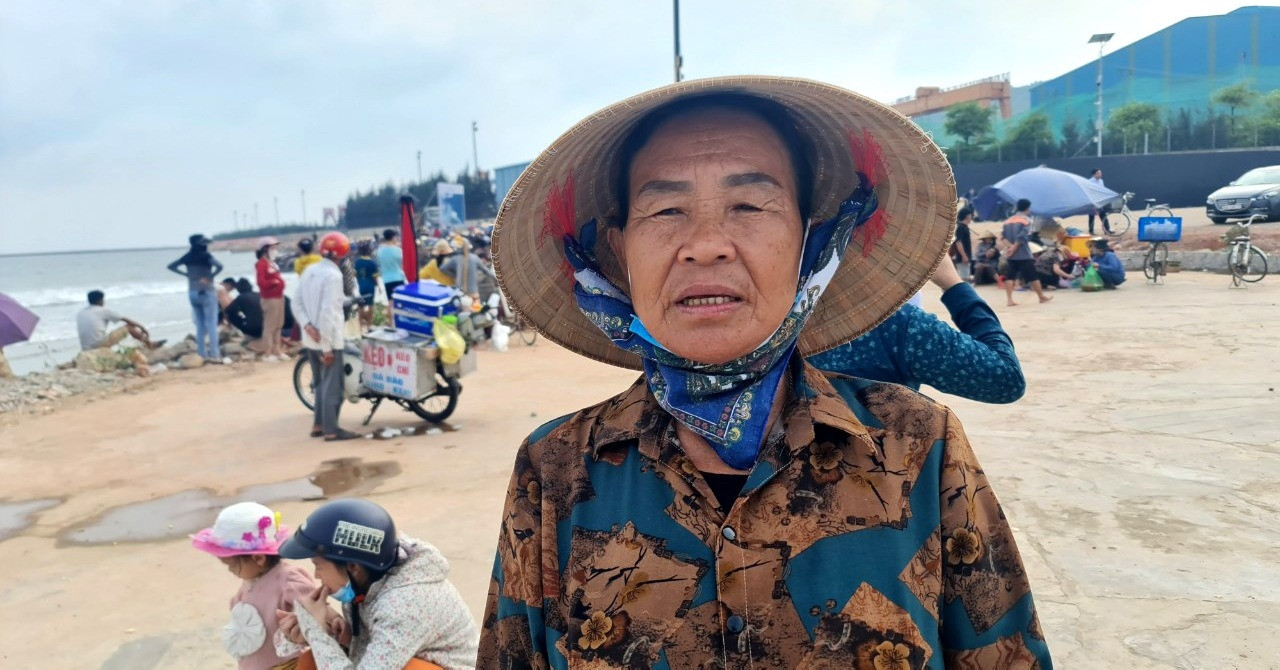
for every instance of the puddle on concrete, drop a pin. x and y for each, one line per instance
(16, 516)
(188, 511)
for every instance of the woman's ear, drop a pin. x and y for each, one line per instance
(616, 237)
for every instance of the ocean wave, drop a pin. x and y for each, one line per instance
(77, 295)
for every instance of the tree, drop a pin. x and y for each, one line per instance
(969, 121)
(1269, 119)
(1071, 140)
(1032, 137)
(1134, 120)
(1235, 96)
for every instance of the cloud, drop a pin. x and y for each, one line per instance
(134, 123)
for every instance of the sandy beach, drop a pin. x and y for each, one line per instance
(1139, 472)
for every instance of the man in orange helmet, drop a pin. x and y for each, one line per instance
(318, 308)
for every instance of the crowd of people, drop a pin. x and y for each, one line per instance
(1032, 254)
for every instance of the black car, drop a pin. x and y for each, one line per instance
(1256, 192)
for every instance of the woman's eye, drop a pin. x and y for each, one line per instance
(746, 207)
(670, 211)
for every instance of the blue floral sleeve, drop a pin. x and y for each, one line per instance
(977, 361)
(913, 347)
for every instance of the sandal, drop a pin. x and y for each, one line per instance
(342, 435)
(317, 432)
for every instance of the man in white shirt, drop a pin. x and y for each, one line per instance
(1096, 177)
(93, 325)
(318, 309)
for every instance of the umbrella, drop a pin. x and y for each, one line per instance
(16, 321)
(1051, 192)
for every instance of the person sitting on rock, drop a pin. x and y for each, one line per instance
(92, 323)
(245, 312)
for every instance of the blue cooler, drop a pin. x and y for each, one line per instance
(1159, 229)
(413, 306)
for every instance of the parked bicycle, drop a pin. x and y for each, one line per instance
(1159, 231)
(1246, 262)
(1118, 221)
(1156, 264)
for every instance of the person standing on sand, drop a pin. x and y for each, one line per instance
(1022, 264)
(271, 290)
(200, 268)
(736, 507)
(1098, 212)
(307, 256)
(366, 270)
(318, 308)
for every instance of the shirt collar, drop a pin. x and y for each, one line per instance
(636, 416)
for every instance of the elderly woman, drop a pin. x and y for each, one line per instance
(736, 507)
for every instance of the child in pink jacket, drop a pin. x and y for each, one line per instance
(246, 537)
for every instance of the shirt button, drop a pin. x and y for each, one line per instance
(735, 624)
(728, 533)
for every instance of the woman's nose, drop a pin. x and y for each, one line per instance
(708, 239)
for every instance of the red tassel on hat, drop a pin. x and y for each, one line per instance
(869, 161)
(558, 214)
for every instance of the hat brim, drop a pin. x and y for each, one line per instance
(204, 542)
(295, 549)
(917, 194)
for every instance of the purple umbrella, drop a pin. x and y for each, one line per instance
(16, 321)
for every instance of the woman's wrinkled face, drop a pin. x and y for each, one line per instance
(713, 235)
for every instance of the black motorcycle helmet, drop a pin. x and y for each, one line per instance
(349, 530)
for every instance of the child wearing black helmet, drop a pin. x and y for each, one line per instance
(394, 590)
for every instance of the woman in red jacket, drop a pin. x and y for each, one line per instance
(271, 286)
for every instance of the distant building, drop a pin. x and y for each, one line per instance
(504, 178)
(1177, 68)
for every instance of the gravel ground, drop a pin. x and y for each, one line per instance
(42, 392)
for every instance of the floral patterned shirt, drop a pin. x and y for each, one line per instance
(867, 536)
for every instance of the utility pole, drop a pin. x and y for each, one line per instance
(235, 219)
(675, 15)
(304, 206)
(475, 157)
(276, 200)
(420, 165)
(255, 215)
(1101, 40)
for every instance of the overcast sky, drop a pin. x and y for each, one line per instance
(133, 123)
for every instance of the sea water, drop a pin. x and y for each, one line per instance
(137, 285)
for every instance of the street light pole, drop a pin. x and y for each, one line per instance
(304, 206)
(675, 16)
(275, 199)
(1101, 40)
(475, 157)
(419, 166)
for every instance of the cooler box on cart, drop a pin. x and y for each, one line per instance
(398, 363)
(413, 306)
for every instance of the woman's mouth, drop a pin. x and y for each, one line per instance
(708, 300)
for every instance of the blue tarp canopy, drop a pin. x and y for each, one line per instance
(1051, 192)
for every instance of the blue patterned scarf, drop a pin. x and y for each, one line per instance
(728, 404)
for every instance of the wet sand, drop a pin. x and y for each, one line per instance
(1140, 473)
